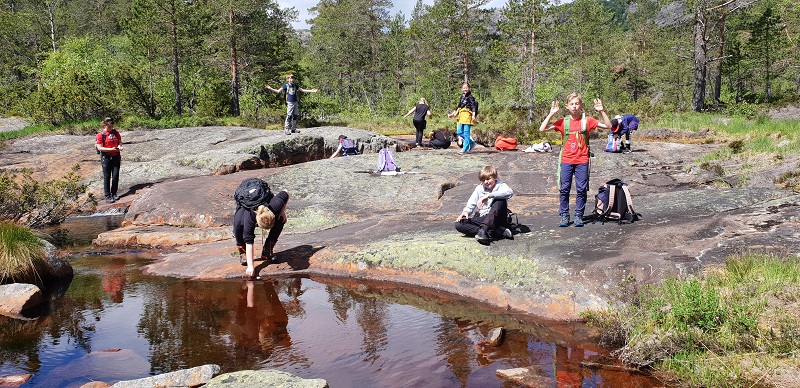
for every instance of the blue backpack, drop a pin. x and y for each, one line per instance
(386, 161)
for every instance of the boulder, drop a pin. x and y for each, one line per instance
(495, 336)
(193, 377)
(16, 298)
(263, 378)
(14, 380)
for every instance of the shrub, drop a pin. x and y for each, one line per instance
(21, 252)
(26, 201)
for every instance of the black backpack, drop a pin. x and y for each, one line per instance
(614, 203)
(251, 193)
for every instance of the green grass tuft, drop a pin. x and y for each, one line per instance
(21, 252)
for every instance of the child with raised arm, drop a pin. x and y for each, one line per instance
(574, 158)
(292, 101)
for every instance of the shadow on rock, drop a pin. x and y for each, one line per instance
(298, 258)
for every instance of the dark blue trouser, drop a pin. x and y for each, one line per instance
(581, 174)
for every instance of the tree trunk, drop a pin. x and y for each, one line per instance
(720, 53)
(51, 19)
(234, 68)
(176, 75)
(698, 97)
(533, 65)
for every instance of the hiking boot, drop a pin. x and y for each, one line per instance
(288, 131)
(506, 232)
(482, 236)
(268, 251)
(564, 220)
(578, 221)
(110, 200)
(461, 152)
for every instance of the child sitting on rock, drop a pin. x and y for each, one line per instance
(489, 201)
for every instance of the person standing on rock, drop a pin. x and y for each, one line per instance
(292, 101)
(271, 216)
(490, 200)
(420, 111)
(574, 157)
(109, 144)
(465, 114)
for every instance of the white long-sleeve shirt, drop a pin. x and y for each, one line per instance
(501, 191)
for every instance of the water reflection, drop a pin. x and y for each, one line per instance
(349, 333)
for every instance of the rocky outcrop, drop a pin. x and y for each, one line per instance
(346, 221)
(160, 155)
(263, 378)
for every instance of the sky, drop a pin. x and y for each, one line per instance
(406, 6)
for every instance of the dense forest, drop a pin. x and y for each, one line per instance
(70, 60)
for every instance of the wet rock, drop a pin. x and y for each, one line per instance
(495, 336)
(193, 377)
(15, 298)
(14, 380)
(264, 378)
(526, 377)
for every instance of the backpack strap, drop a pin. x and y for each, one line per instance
(632, 215)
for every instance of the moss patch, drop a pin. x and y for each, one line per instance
(451, 252)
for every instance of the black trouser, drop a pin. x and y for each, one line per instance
(420, 126)
(437, 143)
(110, 165)
(495, 218)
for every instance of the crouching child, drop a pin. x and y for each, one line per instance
(486, 213)
(271, 215)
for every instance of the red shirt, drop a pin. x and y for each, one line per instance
(575, 150)
(113, 139)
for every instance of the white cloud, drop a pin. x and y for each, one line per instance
(406, 6)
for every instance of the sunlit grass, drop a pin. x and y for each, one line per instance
(710, 330)
(21, 252)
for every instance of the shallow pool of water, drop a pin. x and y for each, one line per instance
(351, 333)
